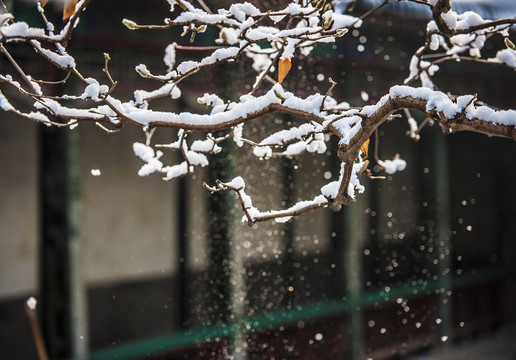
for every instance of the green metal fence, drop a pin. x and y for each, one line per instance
(176, 341)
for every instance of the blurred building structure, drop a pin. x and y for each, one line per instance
(128, 268)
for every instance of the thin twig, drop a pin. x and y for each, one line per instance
(376, 145)
(106, 69)
(57, 82)
(182, 148)
(30, 308)
(204, 6)
(333, 83)
(17, 67)
(421, 2)
(274, 61)
(197, 48)
(109, 131)
(376, 8)
(148, 136)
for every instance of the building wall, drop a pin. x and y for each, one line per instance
(127, 223)
(18, 207)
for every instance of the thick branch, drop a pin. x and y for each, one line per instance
(442, 6)
(434, 104)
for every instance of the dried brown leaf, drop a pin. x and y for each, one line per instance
(69, 9)
(284, 66)
(365, 147)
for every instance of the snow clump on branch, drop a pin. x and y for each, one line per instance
(271, 40)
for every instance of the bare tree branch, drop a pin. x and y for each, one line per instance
(264, 37)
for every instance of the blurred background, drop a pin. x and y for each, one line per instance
(421, 266)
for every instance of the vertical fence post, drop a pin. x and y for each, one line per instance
(226, 259)
(62, 294)
(78, 294)
(353, 274)
(346, 226)
(443, 232)
(54, 247)
(181, 209)
(237, 294)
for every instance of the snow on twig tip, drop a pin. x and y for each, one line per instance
(272, 41)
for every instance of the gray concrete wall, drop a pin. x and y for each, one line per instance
(127, 223)
(18, 206)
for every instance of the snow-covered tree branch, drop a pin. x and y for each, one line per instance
(271, 40)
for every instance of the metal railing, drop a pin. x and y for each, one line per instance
(176, 341)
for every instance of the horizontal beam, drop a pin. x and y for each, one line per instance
(173, 341)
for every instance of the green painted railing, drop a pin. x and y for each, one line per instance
(170, 342)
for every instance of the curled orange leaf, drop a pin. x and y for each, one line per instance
(365, 147)
(284, 66)
(68, 10)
